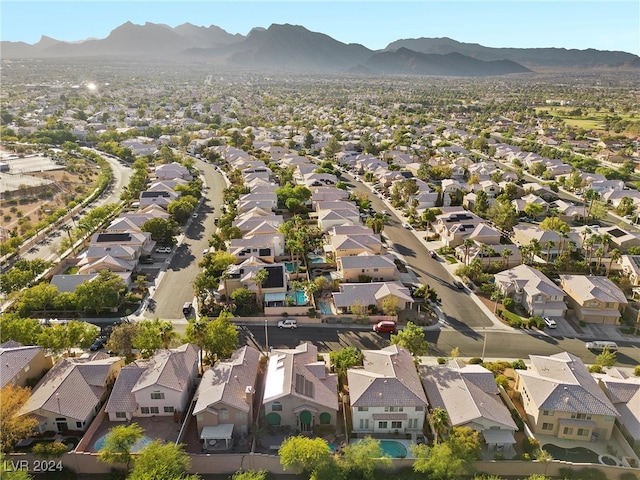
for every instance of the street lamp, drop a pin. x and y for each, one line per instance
(266, 336)
(484, 343)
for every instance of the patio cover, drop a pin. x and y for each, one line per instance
(498, 437)
(210, 435)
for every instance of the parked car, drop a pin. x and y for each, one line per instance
(550, 322)
(600, 345)
(186, 308)
(163, 250)
(288, 323)
(98, 344)
(386, 326)
(406, 225)
(458, 284)
(432, 254)
(384, 212)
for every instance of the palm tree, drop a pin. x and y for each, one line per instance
(295, 286)
(195, 333)
(468, 243)
(224, 277)
(536, 249)
(614, 256)
(506, 253)
(591, 196)
(549, 245)
(67, 228)
(440, 422)
(605, 238)
(599, 253)
(259, 278)
(166, 333)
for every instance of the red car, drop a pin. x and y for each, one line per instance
(385, 327)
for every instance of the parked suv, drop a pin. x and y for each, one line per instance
(386, 326)
(288, 323)
(600, 345)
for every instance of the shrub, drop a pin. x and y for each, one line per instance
(442, 361)
(595, 369)
(475, 361)
(628, 476)
(536, 322)
(530, 445)
(49, 450)
(508, 304)
(311, 312)
(519, 365)
(503, 381)
(636, 371)
(518, 420)
(583, 474)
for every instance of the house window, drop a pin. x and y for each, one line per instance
(168, 409)
(27, 368)
(144, 410)
(276, 407)
(363, 409)
(583, 432)
(157, 395)
(364, 424)
(419, 409)
(79, 424)
(375, 269)
(121, 414)
(413, 423)
(154, 410)
(396, 424)
(394, 409)
(223, 414)
(547, 426)
(547, 413)
(382, 424)
(568, 431)
(581, 416)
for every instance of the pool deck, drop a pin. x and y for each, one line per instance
(163, 428)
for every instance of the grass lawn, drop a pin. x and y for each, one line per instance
(511, 317)
(450, 259)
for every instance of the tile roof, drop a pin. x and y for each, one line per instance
(13, 359)
(561, 382)
(467, 392)
(122, 399)
(169, 368)
(72, 388)
(388, 378)
(227, 381)
(589, 287)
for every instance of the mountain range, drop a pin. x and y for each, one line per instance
(294, 48)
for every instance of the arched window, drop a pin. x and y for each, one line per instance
(325, 418)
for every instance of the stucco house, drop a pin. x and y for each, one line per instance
(533, 290)
(20, 363)
(562, 399)
(624, 392)
(594, 299)
(386, 394)
(368, 294)
(471, 398)
(225, 398)
(378, 268)
(70, 395)
(159, 386)
(299, 392)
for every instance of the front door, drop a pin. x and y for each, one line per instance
(305, 421)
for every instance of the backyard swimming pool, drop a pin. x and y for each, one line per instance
(579, 455)
(325, 308)
(391, 448)
(138, 446)
(299, 297)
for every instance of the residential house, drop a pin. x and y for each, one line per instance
(162, 198)
(244, 275)
(562, 399)
(169, 171)
(521, 203)
(530, 288)
(299, 391)
(386, 394)
(456, 225)
(624, 392)
(551, 243)
(70, 395)
(225, 398)
(631, 268)
(158, 386)
(470, 396)
(367, 267)
(594, 299)
(371, 294)
(20, 365)
(568, 212)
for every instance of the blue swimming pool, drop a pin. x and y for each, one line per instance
(393, 449)
(299, 297)
(138, 446)
(317, 259)
(291, 266)
(325, 308)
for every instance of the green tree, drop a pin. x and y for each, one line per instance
(309, 455)
(148, 338)
(40, 297)
(412, 338)
(503, 213)
(390, 305)
(344, 359)
(9, 473)
(122, 339)
(167, 333)
(104, 291)
(161, 461)
(14, 427)
(49, 450)
(74, 334)
(332, 148)
(220, 338)
(533, 210)
(21, 330)
(195, 333)
(259, 278)
(162, 230)
(118, 444)
(363, 458)
(451, 459)
(250, 475)
(481, 205)
(242, 299)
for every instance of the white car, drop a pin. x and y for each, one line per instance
(550, 322)
(288, 323)
(163, 250)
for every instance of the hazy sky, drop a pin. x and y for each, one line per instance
(599, 24)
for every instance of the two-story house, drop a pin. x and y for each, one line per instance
(562, 399)
(367, 267)
(533, 290)
(19, 363)
(594, 299)
(386, 394)
(299, 391)
(224, 401)
(159, 386)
